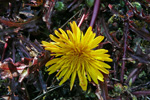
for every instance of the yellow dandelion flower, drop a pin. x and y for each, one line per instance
(75, 56)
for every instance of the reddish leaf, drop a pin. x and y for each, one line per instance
(10, 70)
(37, 3)
(10, 24)
(104, 88)
(143, 32)
(141, 93)
(140, 56)
(148, 1)
(47, 16)
(17, 24)
(107, 34)
(24, 74)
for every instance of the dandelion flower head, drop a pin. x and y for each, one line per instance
(75, 56)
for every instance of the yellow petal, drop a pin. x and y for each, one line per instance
(58, 34)
(52, 49)
(104, 59)
(72, 79)
(63, 33)
(96, 65)
(52, 67)
(56, 55)
(94, 69)
(66, 77)
(78, 65)
(71, 25)
(99, 64)
(89, 38)
(82, 80)
(70, 35)
(88, 76)
(100, 76)
(63, 72)
(87, 35)
(104, 64)
(83, 67)
(52, 45)
(45, 43)
(104, 70)
(52, 61)
(75, 28)
(95, 42)
(64, 64)
(91, 72)
(99, 51)
(108, 59)
(54, 38)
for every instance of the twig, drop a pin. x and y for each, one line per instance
(13, 50)
(5, 47)
(51, 89)
(26, 91)
(104, 88)
(134, 73)
(140, 86)
(82, 19)
(126, 30)
(84, 16)
(115, 67)
(141, 93)
(72, 3)
(107, 34)
(71, 18)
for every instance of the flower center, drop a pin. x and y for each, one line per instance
(78, 52)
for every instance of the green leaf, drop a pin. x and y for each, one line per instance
(134, 98)
(137, 5)
(59, 6)
(90, 3)
(130, 82)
